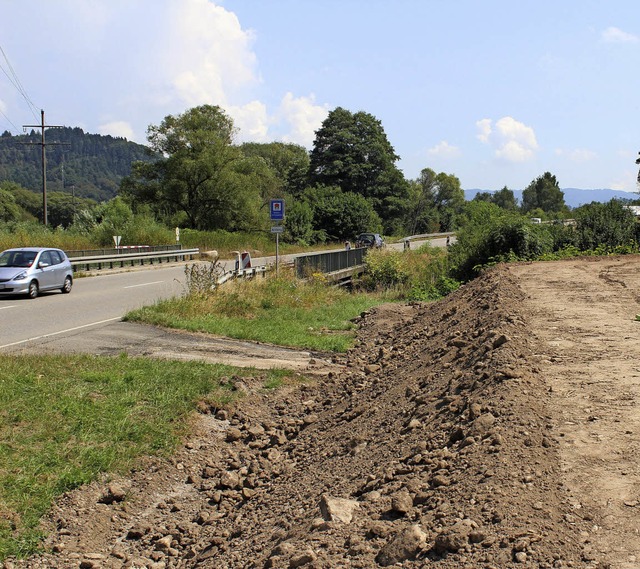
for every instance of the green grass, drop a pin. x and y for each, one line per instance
(281, 311)
(66, 420)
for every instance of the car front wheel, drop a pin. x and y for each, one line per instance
(33, 289)
(66, 287)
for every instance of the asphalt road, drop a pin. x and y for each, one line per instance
(95, 303)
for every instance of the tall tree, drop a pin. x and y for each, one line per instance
(341, 215)
(289, 162)
(544, 193)
(440, 202)
(9, 209)
(351, 151)
(199, 173)
(505, 199)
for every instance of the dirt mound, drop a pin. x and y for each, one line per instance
(434, 447)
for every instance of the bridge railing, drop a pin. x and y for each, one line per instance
(329, 262)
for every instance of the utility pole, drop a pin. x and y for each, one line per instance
(43, 145)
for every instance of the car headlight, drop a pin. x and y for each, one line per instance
(20, 276)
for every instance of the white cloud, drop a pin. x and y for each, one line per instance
(208, 57)
(616, 35)
(252, 121)
(484, 126)
(444, 150)
(577, 155)
(512, 140)
(117, 128)
(303, 117)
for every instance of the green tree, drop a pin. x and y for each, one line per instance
(544, 193)
(62, 208)
(505, 199)
(9, 209)
(608, 224)
(341, 215)
(491, 234)
(199, 173)
(351, 151)
(289, 162)
(29, 202)
(483, 197)
(299, 223)
(440, 202)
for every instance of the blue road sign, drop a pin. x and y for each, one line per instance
(277, 210)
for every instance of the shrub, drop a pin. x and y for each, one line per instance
(385, 269)
(202, 278)
(492, 236)
(608, 225)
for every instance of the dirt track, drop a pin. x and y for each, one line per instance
(496, 428)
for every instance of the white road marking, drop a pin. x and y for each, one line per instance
(12, 306)
(144, 284)
(60, 332)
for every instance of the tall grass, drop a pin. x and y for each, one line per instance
(31, 234)
(421, 274)
(279, 310)
(259, 243)
(65, 420)
(141, 232)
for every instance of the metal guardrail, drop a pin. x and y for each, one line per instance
(329, 262)
(111, 261)
(73, 254)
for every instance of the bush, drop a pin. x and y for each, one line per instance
(492, 236)
(607, 225)
(202, 278)
(432, 281)
(385, 269)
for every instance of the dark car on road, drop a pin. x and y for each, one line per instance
(29, 270)
(371, 240)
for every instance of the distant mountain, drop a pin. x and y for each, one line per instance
(574, 197)
(92, 164)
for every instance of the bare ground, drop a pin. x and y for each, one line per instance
(496, 428)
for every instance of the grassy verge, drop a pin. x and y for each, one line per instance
(65, 420)
(281, 311)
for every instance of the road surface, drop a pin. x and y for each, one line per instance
(96, 302)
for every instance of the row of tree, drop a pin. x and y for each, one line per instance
(194, 175)
(349, 182)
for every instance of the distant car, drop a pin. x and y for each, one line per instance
(370, 240)
(30, 270)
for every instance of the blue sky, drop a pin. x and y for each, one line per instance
(495, 92)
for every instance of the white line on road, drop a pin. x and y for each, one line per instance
(12, 306)
(60, 332)
(143, 284)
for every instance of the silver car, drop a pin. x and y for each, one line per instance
(29, 270)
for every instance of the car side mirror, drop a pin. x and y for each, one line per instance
(43, 265)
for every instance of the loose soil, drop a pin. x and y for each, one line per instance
(496, 428)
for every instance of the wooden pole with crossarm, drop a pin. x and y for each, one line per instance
(43, 145)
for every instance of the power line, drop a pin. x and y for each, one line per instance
(8, 120)
(15, 81)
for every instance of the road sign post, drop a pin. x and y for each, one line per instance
(277, 214)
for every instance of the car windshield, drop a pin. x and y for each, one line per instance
(20, 259)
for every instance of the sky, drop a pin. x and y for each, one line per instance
(495, 92)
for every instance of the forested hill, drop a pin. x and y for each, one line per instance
(90, 165)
